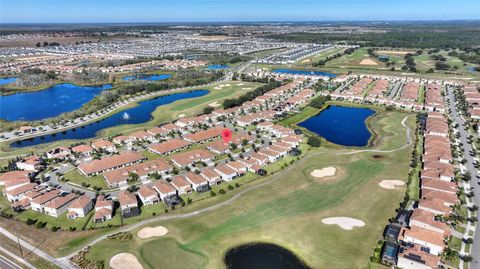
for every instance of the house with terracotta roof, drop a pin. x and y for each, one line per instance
(18, 193)
(142, 136)
(16, 183)
(211, 176)
(432, 241)
(83, 150)
(188, 158)
(15, 175)
(439, 185)
(225, 172)
(414, 256)
(181, 184)
(103, 144)
(199, 183)
(164, 189)
(169, 146)
(80, 207)
(204, 135)
(109, 163)
(103, 209)
(158, 132)
(148, 195)
(123, 140)
(61, 153)
(218, 147)
(436, 206)
(121, 176)
(31, 163)
(239, 167)
(425, 219)
(128, 204)
(259, 157)
(58, 205)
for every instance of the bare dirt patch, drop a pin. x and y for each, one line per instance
(378, 157)
(345, 223)
(391, 184)
(125, 261)
(149, 232)
(368, 62)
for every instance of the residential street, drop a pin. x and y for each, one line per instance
(475, 250)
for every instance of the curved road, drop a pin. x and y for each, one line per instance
(274, 178)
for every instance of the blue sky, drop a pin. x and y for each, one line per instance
(55, 11)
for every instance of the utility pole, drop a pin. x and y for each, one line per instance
(20, 247)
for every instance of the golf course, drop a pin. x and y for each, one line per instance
(334, 217)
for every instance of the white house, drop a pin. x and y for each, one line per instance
(80, 207)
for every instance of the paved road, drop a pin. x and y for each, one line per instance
(475, 250)
(394, 91)
(18, 259)
(5, 263)
(273, 178)
(27, 246)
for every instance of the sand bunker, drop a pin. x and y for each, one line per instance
(247, 88)
(324, 172)
(240, 84)
(217, 88)
(181, 115)
(125, 261)
(214, 104)
(390, 184)
(345, 223)
(148, 232)
(368, 62)
(394, 52)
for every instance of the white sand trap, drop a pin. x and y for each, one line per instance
(214, 104)
(228, 85)
(125, 261)
(390, 184)
(217, 88)
(368, 62)
(324, 172)
(148, 232)
(240, 84)
(345, 223)
(246, 88)
(181, 115)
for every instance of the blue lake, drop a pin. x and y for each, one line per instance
(304, 72)
(47, 103)
(341, 125)
(135, 115)
(5, 81)
(217, 67)
(147, 77)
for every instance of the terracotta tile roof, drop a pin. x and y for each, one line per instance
(82, 149)
(204, 135)
(147, 191)
(15, 182)
(60, 201)
(209, 173)
(102, 202)
(450, 198)
(22, 189)
(141, 169)
(14, 175)
(163, 187)
(429, 219)
(169, 145)
(104, 164)
(190, 157)
(81, 202)
(194, 178)
(127, 198)
(225, 169)
(425, 235)
(102, 143)
(180, 181)
(415, 253)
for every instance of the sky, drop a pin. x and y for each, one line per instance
(91, 11)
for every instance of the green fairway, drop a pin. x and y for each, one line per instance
(288, 211)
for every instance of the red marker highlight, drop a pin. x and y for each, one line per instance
(226, 135)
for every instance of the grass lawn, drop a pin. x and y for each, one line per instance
(306, 113)
(62, 221)
(74, 176)
(455, 243)
(289, 210)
